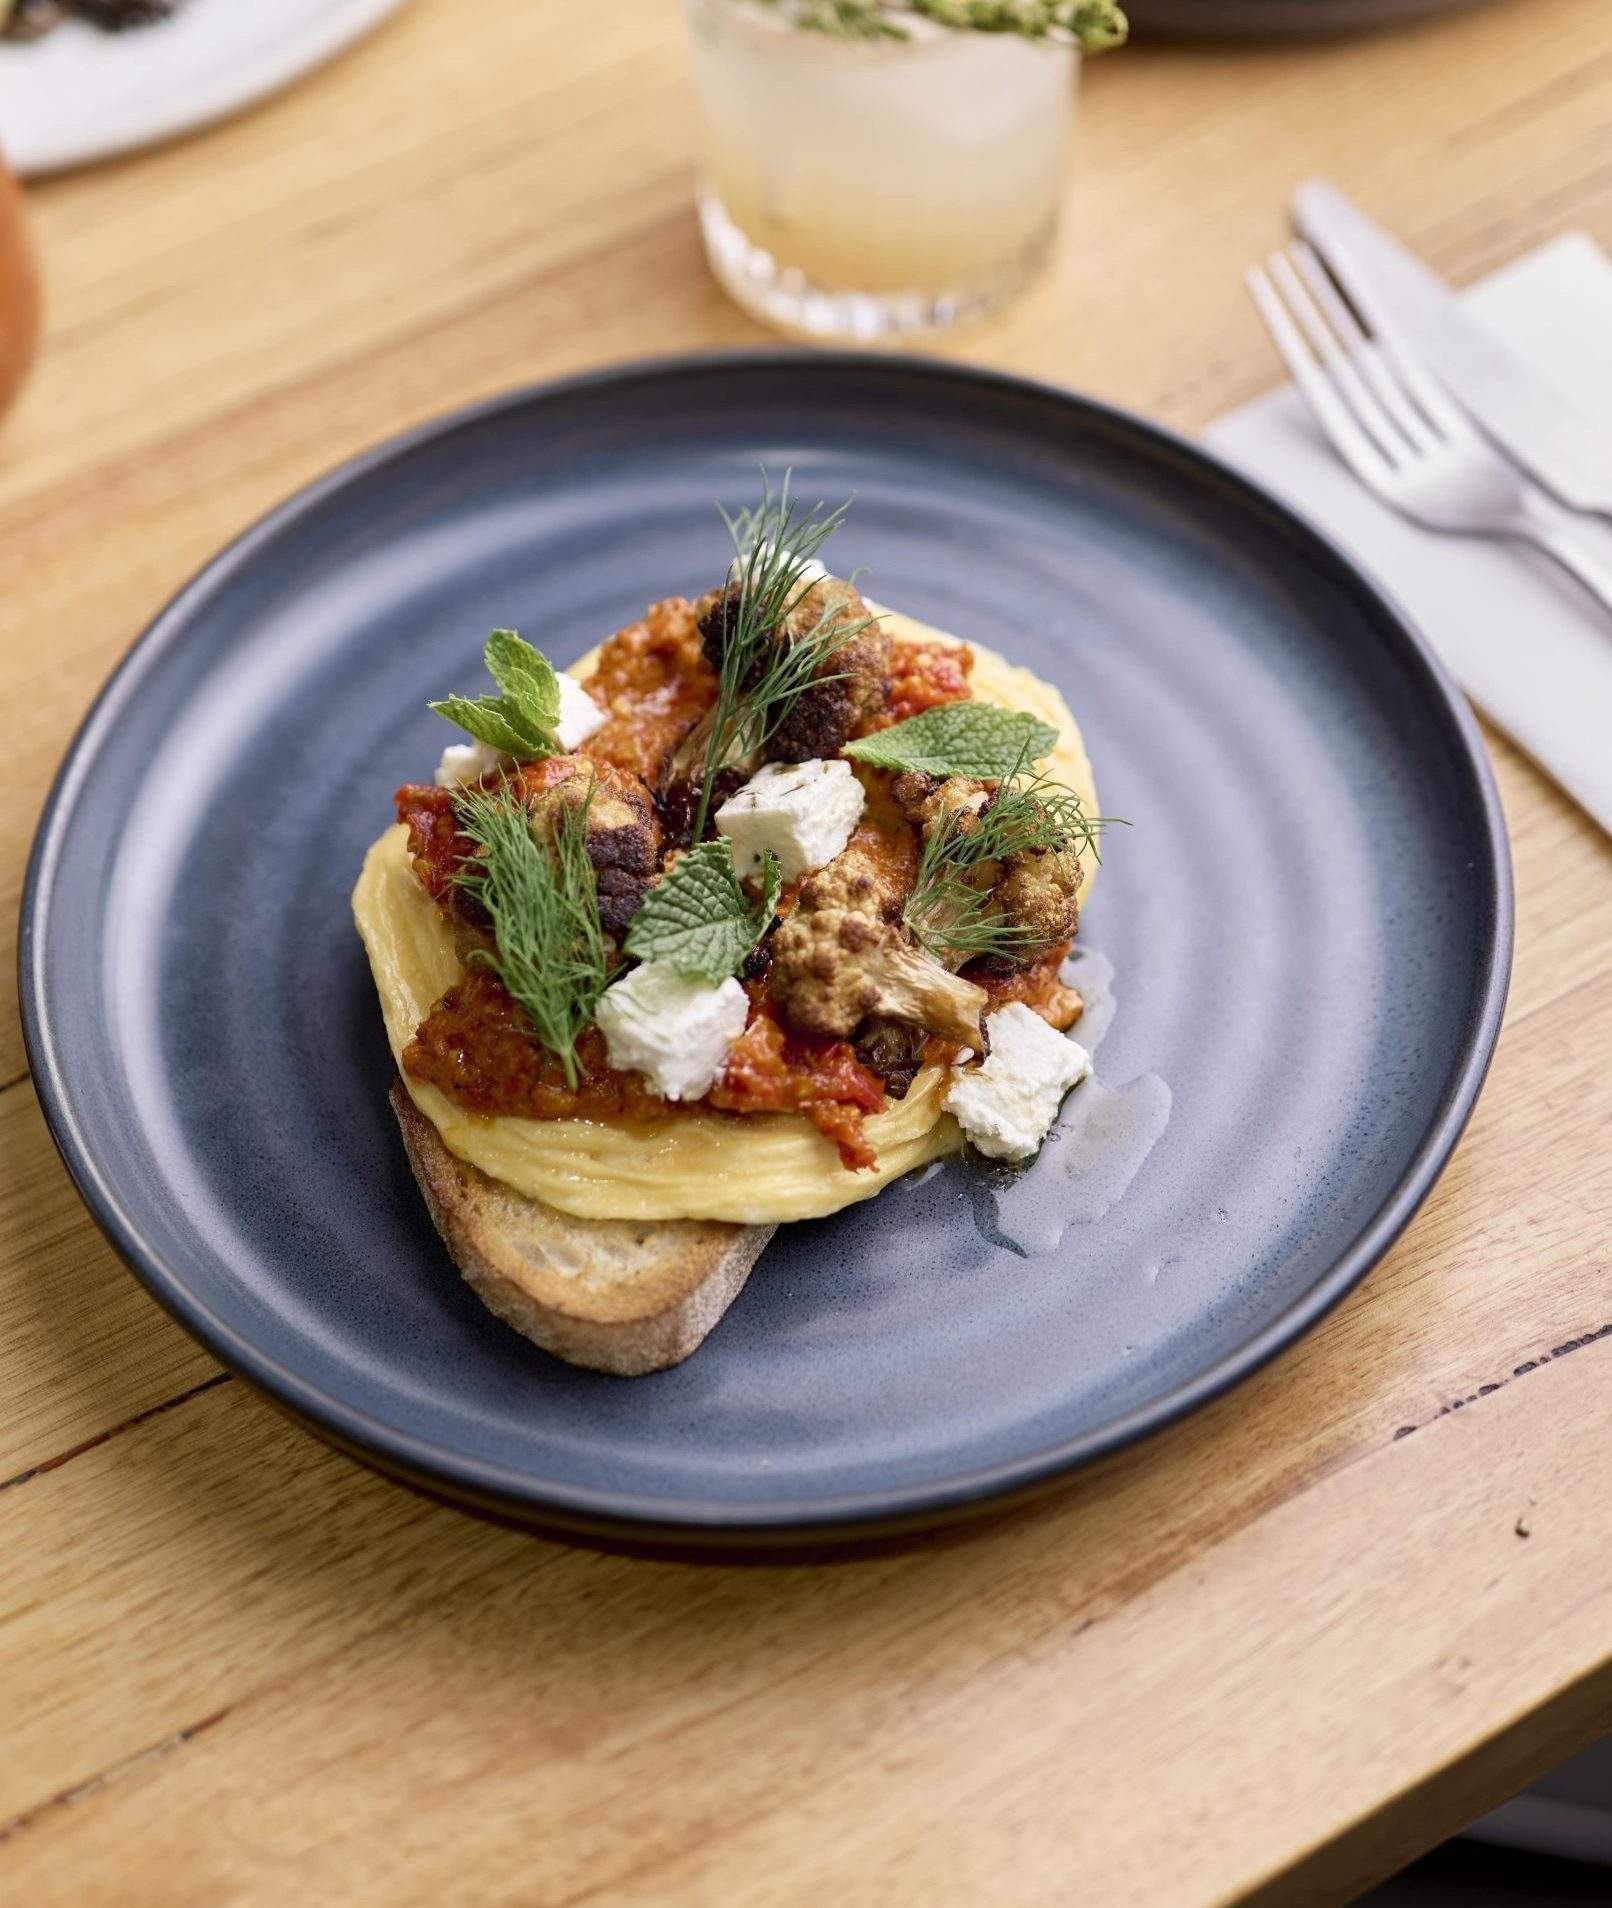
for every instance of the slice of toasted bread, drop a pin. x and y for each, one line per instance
(618, 1295)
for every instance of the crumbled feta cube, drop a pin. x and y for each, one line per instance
(580, 715)
(1007, 1105)
(805, 812)
(466, 762)
(673, 1030)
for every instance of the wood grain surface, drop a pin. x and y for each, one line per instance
(1266, 1658)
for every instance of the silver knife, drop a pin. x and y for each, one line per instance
(1542, 428)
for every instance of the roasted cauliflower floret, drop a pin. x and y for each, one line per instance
(843, 955)
(1031, 891)
(926, 800)
(1038, 892)
(953, 805)
(623, 831)
(851, 682)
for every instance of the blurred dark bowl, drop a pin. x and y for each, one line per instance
(1278, 19)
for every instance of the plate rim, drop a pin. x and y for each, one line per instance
(1288, 20)
(594, 1512)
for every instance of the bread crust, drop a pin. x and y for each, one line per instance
(615, 1295)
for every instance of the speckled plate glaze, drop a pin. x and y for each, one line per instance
(1310, 920)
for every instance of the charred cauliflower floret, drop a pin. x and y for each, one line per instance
(1038, 892)
(623, 832)
(954, 805)
(926, 799)
(843, 955)
(1032, 890)
(851, 682)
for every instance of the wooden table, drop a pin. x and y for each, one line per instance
(1268, 1657)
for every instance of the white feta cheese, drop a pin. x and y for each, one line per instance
(580, 715)
(805, 812)
(466, 762)
(675, 1031)
(1007, 1105)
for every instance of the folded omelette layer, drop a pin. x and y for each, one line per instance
(752, 1169)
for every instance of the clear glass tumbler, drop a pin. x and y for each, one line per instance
(865, 190)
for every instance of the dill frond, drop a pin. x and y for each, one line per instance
(548, 945)
(761, 679)
(957, 921)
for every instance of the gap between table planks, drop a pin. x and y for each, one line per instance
(1270, 1655)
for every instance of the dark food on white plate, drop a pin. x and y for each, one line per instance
(31, 19)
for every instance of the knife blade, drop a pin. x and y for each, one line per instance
(1568, 450)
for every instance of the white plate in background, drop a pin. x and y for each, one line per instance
(80, 94)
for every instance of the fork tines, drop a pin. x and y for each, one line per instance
(1374, 401)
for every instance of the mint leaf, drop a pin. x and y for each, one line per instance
(521, 720)
(488, 719)
(548, 945)
(699, 919)
(527, 679)
(959, 738)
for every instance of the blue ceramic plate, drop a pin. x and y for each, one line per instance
(1309, 919)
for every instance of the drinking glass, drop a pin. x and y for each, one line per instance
(864, 190)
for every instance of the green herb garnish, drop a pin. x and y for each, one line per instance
(543, 901)
(1093, 25)
(762, 678)
(959, 738)
(957, 921)
(520, 720)
(699, 919)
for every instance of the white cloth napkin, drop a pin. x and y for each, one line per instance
(1530, 649)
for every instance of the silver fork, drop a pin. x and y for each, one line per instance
(1391, 424)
